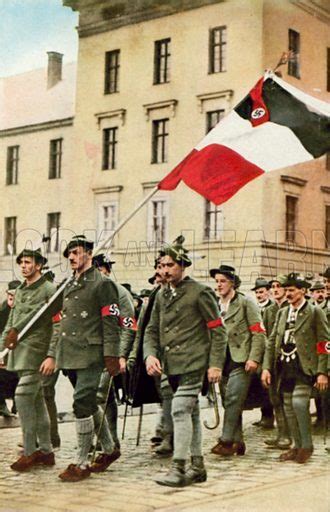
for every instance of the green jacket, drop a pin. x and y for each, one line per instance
(185, 330)
(269, 316)
(246, 334)
(310, 328)
(127, 320)
(90, 325)
(35, 346)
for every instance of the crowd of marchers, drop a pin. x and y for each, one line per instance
(166, 345)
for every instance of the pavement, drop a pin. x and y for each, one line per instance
(254, 482)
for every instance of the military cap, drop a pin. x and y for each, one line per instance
(296, 280)
(102, 260)
(145, 292)
(48, 273)
(177, 252)
(326, 273)
(32, 253)
(226, 270)
(261, 283)
(280, 278)
(318, 285)
(12, 285)
(78, 241)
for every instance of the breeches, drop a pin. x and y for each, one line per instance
(85, 390)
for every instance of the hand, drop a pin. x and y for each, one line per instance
(321, 382)
(112, 365)
(47, 367)
(213, 375)
(266, 378)
(251, 366)
(153, 366)
(122, 365)
(11, 339)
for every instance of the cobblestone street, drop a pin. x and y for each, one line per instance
(253, 482)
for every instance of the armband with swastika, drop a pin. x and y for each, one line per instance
(212, 324)
(257, 328)
(110, 310)
(323, 347)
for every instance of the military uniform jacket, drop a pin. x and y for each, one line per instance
(269, 316)
(310, 329)
(185, 330)
(89, 329)
(246, 334)
(34, 346)
(127, 320)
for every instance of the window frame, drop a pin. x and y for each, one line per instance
(55, 158)
(110, 148)
(294, 58)
(111, 71)
(12, 165)
(51, 216)
(220, 114)
(218, 63)
(291, 217)
(152, 228)
(160, 137)
(212, 211)
(162, 61)
(10, 234)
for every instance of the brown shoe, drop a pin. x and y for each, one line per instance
(289, 455)
(303, 455)
(74, 473)
(24, 463)
(103, 461)
(44, 459)
(224, 448)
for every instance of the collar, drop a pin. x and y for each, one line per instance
(34, 285)
(295, 310)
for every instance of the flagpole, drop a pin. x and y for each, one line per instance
(98, 249)
(102, 245)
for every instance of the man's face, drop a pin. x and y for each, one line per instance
(160, 277)
(172, 271)
(294, 295)
(79, 258)
(29, 267)
(262, 294)
(277, 290)
(10, 299)
(104, 270)
(224, 285)
(319, 295)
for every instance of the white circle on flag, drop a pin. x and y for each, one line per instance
(258, 112)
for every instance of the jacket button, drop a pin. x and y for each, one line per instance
(167, 348)
(76, 297)
(73, 333)
(74, 315)
(178, 347)
(63, 316)
(166, 329)
(66, 298)
(63, 333)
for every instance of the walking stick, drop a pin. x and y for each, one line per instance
(124, 423)
(139, 426)
(102, 420)
(216, 409)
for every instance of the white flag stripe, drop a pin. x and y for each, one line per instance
(269, 146)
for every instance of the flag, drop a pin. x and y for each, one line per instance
(274, 126)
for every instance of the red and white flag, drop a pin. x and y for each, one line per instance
(274, 126)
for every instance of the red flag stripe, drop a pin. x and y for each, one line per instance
(216, 172)
(212, 324)
(260, 113)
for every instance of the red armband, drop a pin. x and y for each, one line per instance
(128, 322)
(323, 347)
(57, 318)
(110, 310)
(257, 328)
(212, 324)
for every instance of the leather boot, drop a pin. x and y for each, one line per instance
(303, 455)
(166, 446)
(176, 476)
(196, 473)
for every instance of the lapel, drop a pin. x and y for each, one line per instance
(172, 298)
(303, 316)
(78, 284)
(233, 308)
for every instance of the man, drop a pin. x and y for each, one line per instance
(282, 440)
(8, 380)
(261, 290)
(319, 293)
(127, 322)
(88, 340)
(299, 333)
(31, 358)
(246, 342)
(184, 338)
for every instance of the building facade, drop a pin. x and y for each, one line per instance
(152, 79)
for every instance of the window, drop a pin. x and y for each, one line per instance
(217, 50)
(110, 141)
(107, 219)
(159, 141)
(111, 75)
(12, 165)
(291, 218)
(162, 61)
(157, 221)
(213, 224)
(10, 235)
(212, 118)
(327, 226)
(53, 231)
(55, 159)
(294, 49)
